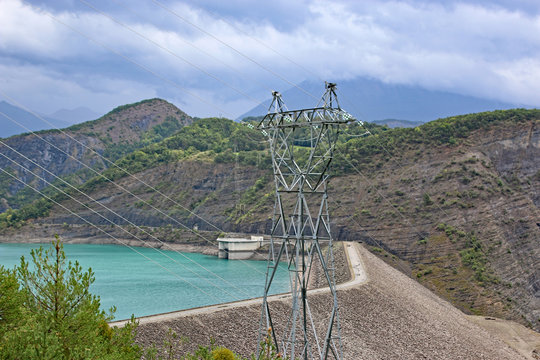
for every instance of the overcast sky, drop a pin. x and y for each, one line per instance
(215, 57)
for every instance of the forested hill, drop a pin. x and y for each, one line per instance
(52, 153)
(453, 203)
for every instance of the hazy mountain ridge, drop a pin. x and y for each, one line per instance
(393, 123)
(372, 100)
(452, 202)
(76, 115)
(16, 121)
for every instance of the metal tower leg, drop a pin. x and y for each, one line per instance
(301, 146)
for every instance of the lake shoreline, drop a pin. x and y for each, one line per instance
(182, 247)
(132, 279)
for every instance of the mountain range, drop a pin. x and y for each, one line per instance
(370, 99)
(395, 105)
(16, 120)
(77, 152)
(452, 203)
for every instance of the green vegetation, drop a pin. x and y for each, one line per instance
(6, 180)
(47, 312)
(460, 272)
(225, 141)
(472, 254)
(427, 199)
(115, 151)
(451, 232)
(424, 272)
(116, 110)
(474, 257)
(25, 197)
(112, 151)
(252, 194)
(16, 218)
(222, 139)
(365, 152)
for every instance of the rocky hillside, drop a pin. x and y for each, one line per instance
(452, 203)
(461, 217)
(61, 153)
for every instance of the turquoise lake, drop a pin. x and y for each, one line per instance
(136, 285)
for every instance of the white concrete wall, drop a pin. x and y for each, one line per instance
(238, 248)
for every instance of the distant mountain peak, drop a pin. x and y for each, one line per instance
(15, 120)
(68, 152)
(75, 115)
(370, 99)
(126, 123)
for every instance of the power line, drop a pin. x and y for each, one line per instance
(106, 233)
(118, 185)
(218, 300)
(232, 48)
(380, 194)
(116, 214)
(200, 29)
(171, 52)
(263, 44)
(145, 68)
(210, 55)
(375, 241)
(386, 150)
(300, 66)
(402, 215)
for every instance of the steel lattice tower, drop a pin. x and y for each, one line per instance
(302, 144)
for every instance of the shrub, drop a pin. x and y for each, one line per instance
(222, 353)
(427, 200)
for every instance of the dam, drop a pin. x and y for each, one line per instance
(239, 248)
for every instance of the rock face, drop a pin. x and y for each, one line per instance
(460, 218)
(74, 150)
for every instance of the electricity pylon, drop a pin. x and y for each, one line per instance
(302, 144)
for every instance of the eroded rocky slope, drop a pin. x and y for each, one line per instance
(65, 153)
(457, 211)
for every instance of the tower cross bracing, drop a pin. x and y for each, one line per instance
(302, 145)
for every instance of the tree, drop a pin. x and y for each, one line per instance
(56, 315)
(48, 312)
(10, 300)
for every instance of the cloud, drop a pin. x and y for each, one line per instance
(26, 32)
(47, 91)
(464, 48)
(487, 49)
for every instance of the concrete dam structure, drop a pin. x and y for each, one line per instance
(238, 248)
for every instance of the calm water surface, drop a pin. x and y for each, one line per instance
(135, 285)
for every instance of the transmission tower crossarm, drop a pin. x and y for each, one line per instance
(304, 117)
